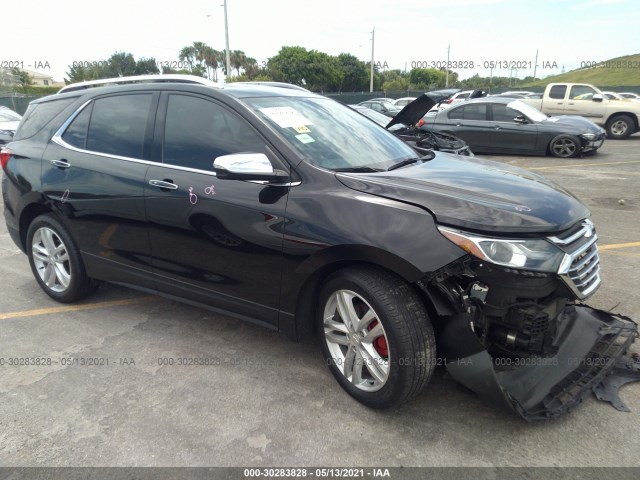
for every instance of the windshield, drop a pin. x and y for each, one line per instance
(527, 110)
(331, 135)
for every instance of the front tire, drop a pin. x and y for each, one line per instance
(376, 336)
(620, 127)
(565, 146)
(55, 261)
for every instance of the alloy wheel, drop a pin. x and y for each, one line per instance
(51, 259)
(356, 340)
(564, 147)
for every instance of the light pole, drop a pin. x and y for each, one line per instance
(226, 36)
(373, 40)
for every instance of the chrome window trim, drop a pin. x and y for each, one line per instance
(57, 138)
(64, 144)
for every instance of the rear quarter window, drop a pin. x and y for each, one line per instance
(40, 114)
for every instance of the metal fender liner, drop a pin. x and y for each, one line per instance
(591, 347)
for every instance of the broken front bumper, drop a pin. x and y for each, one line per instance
(591, 348)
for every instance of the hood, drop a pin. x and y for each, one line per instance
(583, 124)
(476, 194)
(414, 111)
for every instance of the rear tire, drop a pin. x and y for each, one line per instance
(565, 146)
(376, 336)
(620, 127)
(55, 261)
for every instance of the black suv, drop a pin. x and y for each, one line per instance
(288, 209)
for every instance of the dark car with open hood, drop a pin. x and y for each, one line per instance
(420, 140)
(285, 208)
(510, 126)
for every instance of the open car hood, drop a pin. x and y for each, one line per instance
(414, 111)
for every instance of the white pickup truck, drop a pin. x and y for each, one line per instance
(619, 117)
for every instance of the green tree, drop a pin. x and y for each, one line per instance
(289, 65)
(146, 66)
(394, 80)
(251, 68)
(355, 75)
(237, 60)
(426, 78)
(121, 64)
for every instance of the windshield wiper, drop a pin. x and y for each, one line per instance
(357, 169)
(403, 163)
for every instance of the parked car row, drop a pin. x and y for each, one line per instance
(509, 126)
(499, 124)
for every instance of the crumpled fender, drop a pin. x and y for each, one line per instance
(591, 358)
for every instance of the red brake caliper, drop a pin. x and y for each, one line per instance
(380, 343)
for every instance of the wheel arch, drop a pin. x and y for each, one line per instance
(28, 214)
(327, 262)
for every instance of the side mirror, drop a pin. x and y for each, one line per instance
(520, 119)
(247, 166)
(597, 97)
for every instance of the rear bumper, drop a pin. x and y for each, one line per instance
(591, 349)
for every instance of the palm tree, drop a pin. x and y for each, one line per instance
(238, 59)
(251, 67)
(212, 59)
(188, 54)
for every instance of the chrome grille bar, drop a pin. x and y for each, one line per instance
(580, 269)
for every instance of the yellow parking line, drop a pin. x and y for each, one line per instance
(74, 308)
(612, 246)
(580, 165)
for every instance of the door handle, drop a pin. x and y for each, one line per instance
(163, 184)
(60, 163)
(571, 103)
(458, 124)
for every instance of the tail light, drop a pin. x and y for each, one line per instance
(449, 100)
(5, 155)
(421, 122)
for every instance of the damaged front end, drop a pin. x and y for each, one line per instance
(514, 333)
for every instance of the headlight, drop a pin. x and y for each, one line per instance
(588, 136)
(526, 254)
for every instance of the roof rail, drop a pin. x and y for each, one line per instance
(271, 84)
(175, 78)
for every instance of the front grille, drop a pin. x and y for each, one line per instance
(580, 268)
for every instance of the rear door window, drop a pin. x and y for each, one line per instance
(118, 125)
(477, 111)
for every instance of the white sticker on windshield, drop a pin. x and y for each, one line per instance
(304, 138)
(286, 117)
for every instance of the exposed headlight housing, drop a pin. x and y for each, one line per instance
(524, 254)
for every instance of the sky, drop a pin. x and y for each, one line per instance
(566, 33)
